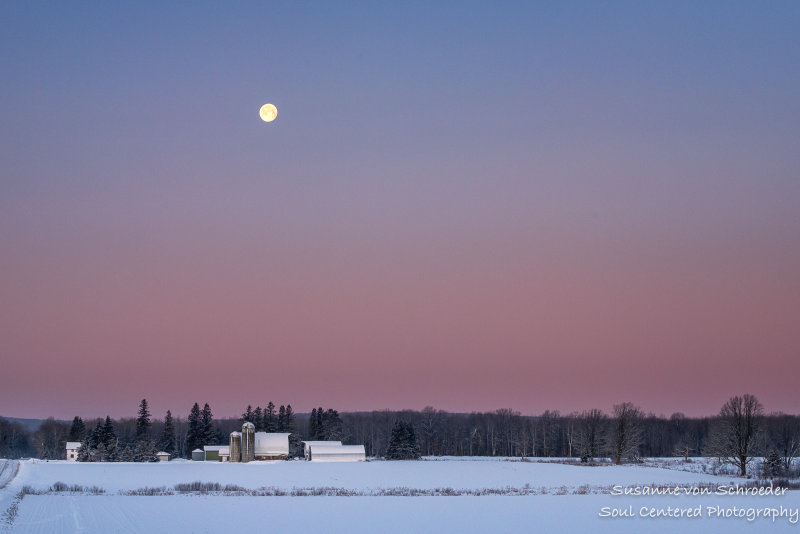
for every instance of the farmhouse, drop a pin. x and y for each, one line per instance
(72, 450)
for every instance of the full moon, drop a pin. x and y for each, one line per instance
(268, 112)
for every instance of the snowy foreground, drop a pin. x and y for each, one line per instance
(425, 496)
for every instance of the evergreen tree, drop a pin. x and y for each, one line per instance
(282, 419)
(290, 423)
(773, 465)
(332, 427)
(110, 442)
(320, 425)
(247, 416)
(109, 435)
(207, 431)
(78, 430)
(194, 435)
(270, 424)
(312, 426)
(403, 443)
(83, 450)
(143, 421)
(99, 454)
(167, 442)
(295, 444)
(97, 436)
(258, 419)
(145, 451)
(126, 455)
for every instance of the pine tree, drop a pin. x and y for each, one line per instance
(145, 451)
(312, 426)
(83, 450)
(282, 419)
(247, 416)
(332, 427)
(208, 433)
(270, 425)
(194, 435)
(167, 442)
(320, 425)
(109, 435)
(97, 436)
(773, 465)
(99, 454)
(290, 423)
(78, 430)
(109, 442)
(143, 421)
(403, 442)
(295, 444)
(258, 419)
(126, 455)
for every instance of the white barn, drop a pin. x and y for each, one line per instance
(340, 453)
(272, 445)
(72, 450)
(307, 446)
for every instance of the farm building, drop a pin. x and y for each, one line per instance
(212, 452)
(307, 445)
(72, 450)
(163, 456)
(248, 445)
(198, 455)
(271, 445)
(337, 453)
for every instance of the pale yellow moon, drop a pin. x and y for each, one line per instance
(268, 112)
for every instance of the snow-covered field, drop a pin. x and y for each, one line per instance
(492, 496)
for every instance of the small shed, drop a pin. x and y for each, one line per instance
(198, 455)
(307, 446)
(341, 453)
(72, 450)
(163, 456)
(212, 452)
(225, 454)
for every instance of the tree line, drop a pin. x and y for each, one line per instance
(740, 431)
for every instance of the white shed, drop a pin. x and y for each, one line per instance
(272, 445)
(163, 456)
(341, 453)
(72, 450)
(307, 445)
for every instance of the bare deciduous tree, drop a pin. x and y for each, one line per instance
(590, 433)
(735, 433)
(626, 431)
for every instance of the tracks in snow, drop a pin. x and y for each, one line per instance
(8, 470)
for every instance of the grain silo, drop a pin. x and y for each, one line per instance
(236, 447)
(248, 442)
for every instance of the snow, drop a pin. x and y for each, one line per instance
(358, 475)
(560, 497)
(390, 515)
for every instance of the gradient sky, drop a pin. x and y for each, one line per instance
(557, 205)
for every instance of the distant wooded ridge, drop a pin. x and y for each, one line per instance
(627, 433)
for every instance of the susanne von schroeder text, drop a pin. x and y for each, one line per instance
(698, 490)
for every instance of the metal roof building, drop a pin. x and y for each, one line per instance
(340, 453)
(307, 445)
(272, 445)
